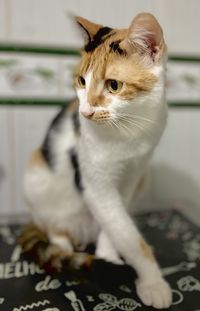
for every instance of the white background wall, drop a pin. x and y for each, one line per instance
(46, 21)
(176, 172)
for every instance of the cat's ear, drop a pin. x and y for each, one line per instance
(88, 28)
(145, 35)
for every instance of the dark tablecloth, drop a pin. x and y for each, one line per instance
(176, 242)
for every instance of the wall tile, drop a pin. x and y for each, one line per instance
(45, 21)
(29, 127)
(33, 22)
(6, 161)
(176, 173)
(4, 23)
(181, 24)
(67, 68)
(29, 75)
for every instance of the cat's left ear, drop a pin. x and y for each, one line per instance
(88, 28)
(146, 36)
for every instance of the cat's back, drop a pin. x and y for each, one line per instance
(61, 137)
(52, 175)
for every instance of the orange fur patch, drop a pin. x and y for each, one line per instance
(37, 159)
(100, 116)
(147, 250)
(140, 185)
(89, 27)
(30, 235)
(106, 64)
(73, 106)
(95, 100)
(63, 233)
(135, 76)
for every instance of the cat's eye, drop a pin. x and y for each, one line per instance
(114, 86)
(81, 81)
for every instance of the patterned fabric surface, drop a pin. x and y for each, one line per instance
(176, 242)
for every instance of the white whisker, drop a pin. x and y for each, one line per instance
(137, 117)
(134, 123)
(125, 123)
(137, 121)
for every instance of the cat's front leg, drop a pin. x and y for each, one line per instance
(105, 249)
(106, 205)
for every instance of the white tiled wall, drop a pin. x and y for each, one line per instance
(181, 25)
(3, 23)
(176, 173)
(176, 163)
(48, 22)
(6, 161)
(30, 125)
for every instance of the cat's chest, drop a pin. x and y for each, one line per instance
(113, 155)
(118, 164)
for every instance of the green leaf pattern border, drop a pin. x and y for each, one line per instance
(184, 79)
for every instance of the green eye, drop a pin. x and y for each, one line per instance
(114, 86)
(81, 81)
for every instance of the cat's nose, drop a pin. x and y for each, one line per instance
(87, 113)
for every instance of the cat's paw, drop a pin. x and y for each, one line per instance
(156, 293)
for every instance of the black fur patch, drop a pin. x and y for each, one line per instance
(98, 39)
(75, 165)
(46, 148)
(114, 46)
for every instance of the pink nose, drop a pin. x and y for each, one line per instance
(87, 113)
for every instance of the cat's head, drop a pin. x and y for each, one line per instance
(121, 70)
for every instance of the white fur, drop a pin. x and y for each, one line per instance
(112, 161)
(53, 199)
(118, 160)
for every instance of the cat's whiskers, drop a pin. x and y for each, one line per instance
(127, 129)
(110, 123)
(123, 127)
(143, 119)
(136, 117)
(131, 121)
(115, 124)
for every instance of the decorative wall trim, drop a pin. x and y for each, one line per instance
(34, 102)
(64, 102)
(69, 51)
(39, 49)
(66, 53)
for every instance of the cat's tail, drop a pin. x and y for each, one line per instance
(36, 245)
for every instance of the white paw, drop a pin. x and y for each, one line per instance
(116, 261)
(156, 293)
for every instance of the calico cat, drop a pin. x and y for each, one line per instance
(80, 182)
